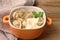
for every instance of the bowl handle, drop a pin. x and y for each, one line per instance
(6, 19)
(49, 21)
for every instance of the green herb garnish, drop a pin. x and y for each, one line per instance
(39, 14)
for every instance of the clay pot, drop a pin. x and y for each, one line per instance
(26, 33)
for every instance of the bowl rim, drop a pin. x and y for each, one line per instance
(27, 7)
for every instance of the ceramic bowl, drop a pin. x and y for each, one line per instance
(27, 33)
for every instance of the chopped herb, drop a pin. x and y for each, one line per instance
(39, 14)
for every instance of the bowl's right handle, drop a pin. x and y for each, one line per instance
(49, 21)
(6, 19)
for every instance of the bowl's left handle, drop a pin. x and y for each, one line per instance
(6, 19)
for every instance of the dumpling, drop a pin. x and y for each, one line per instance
(28, 14)
(40, 21)
(30, 23)
(15, 15)
(17, 23)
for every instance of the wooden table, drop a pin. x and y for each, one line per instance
(52, 32)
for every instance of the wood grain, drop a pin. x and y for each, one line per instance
(54, 16)
(57, 4)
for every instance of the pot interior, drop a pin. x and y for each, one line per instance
(28, 8)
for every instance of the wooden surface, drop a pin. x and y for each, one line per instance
(52, 32)
(52, 4)
(49, 6)
(49, 2)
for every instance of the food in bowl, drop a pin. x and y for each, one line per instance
(27, 19)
